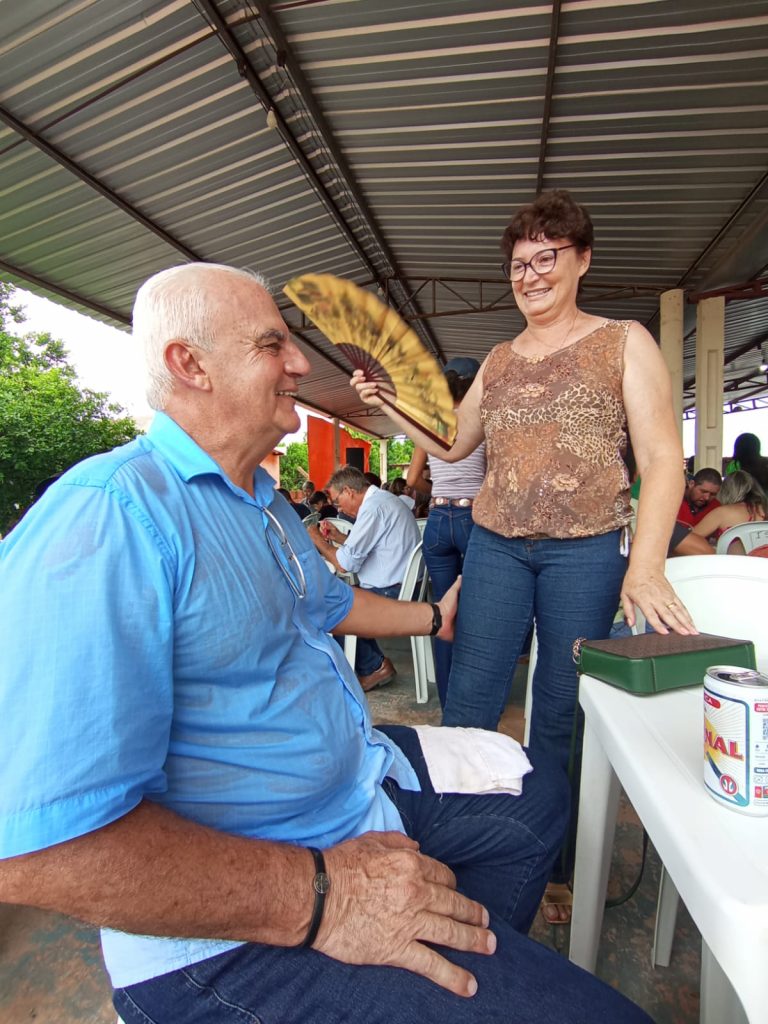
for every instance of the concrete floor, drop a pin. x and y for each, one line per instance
(50, 966)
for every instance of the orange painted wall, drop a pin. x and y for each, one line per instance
(320, 444)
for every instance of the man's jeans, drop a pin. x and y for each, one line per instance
(501, 849)
(369, 656)
(446, 537)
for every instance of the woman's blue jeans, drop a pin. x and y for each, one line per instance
(446, 537)
(501, 849)
(571, 588)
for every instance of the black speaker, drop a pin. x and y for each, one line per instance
(356, 457)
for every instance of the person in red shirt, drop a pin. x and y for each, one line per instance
(700, 496)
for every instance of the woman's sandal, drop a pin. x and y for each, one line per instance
(556, 903)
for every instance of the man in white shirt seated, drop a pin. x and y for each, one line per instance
(377, 549)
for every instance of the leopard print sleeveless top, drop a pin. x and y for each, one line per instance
(555, 428)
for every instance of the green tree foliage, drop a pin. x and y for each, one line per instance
(374, 457)
(398, 452)
(296, 456)
(47, 421)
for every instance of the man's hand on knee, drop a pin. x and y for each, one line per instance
(387, 900)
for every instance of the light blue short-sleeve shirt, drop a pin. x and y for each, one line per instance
(381, 541)
(153, 648)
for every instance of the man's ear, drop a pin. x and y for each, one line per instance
(183, 363)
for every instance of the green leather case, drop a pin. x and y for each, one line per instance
(653, 663)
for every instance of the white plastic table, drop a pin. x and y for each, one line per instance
(716, 857)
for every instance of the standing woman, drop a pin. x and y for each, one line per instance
(554, 405)
(449, 523)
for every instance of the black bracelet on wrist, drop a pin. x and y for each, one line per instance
(321, 883)
(437, 620)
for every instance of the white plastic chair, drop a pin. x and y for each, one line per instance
(751, 535)
(343, 526)
(412, 588)
(421, 523)
(727, 597)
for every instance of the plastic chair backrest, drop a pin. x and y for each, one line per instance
(751, 535)
(312, 519)
(414, 583)
(726, 596)
(421, 523)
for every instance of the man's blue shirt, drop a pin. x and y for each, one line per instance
(154, 649)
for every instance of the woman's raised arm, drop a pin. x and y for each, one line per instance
(470, 429)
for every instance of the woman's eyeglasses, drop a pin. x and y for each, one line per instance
(284, 555)
(542, 263)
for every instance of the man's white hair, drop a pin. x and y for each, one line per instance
(178, 303)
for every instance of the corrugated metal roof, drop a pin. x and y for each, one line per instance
(135, 136)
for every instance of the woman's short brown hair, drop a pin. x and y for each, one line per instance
(553, 214)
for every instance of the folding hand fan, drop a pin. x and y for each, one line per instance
(376, 340)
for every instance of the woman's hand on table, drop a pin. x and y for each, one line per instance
(649, 590)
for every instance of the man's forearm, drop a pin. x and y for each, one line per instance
(375, 616)
(155, 873)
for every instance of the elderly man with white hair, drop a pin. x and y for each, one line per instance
(190, 762)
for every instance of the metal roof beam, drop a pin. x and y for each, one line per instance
(65, 293)
(113, 88)
(554, 34)
(756, 342)
(481, 304)
(229, 41)
(735, 398)
(209, 10)
(740, 209)
(325, 133)
(98, 186)
(757, 288)
(716, 239)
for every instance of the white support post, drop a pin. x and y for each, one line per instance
(710, 341)
(671, 313)
(383, 459)
(336, 445)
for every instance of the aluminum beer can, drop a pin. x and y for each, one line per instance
(736, 738)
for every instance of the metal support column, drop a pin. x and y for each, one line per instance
(671, 318)
(710, 337)
(336, 445)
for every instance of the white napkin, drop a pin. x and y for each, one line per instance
(473, 760)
